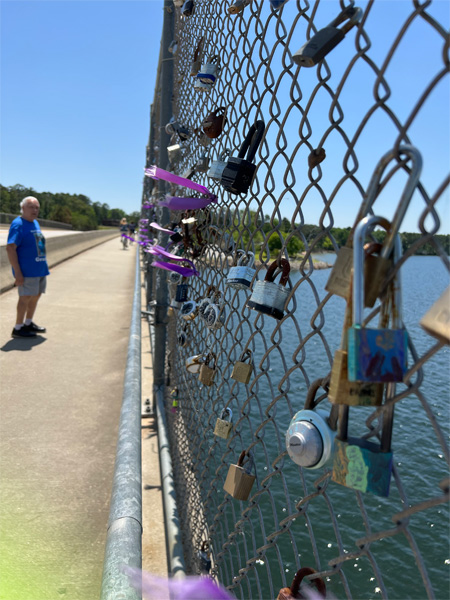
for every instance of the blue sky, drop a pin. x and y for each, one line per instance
(78, 78)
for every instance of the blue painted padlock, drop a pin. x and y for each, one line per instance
(376, 355)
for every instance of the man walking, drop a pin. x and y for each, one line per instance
(26, 253)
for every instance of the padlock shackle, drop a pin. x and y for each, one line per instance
(366, 224)
(247, 354)
(198, 49)
(249, 257)
(310, 403)
(224, 414)
(274, 268)
(240, 461)
(252, 141)
(351, 13)
(318, 582)
(374, 189)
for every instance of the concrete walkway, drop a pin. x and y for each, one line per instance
(61, 395)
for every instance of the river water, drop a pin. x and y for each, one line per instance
(417, 456)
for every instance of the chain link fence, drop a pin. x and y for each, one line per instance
(326, 128)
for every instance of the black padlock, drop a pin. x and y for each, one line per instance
(327, 38)
(239, 172)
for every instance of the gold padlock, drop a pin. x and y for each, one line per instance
(206, 374)
(436, 321)
(239, 482)
(223, 428)
(343, 391)
(242, 371)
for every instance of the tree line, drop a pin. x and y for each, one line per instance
(76, 209)
(248, 227)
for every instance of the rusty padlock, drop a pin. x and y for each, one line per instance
(206, 373)
(197, 61)
(238, 6)
(377, 268)
(239, 482)
(436, 321)
(269, 297)
(295, 593)
(214, 123)
(223, 424)
(242, 371)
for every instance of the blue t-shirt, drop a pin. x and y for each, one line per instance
(30, 243)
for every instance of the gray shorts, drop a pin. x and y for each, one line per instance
(33, 286)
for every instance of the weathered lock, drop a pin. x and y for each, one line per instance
(193, 363)
(239, 482)
(377, 355)
(295, 591)
(269, 297)
(204, 303)
(242, 371)
(187, 9)
(173, 127)
(309, 438)
(181, 294)
(202, 163)
(214, 123)
(189, 310)
(197, 60)
(207, 373)
(327, 38)
(207, 75)
(359, 463)
(240, 171)
(175, 277)
(339, 280)
(183, 339)
(343, 391)
(217, 166)
(214, 315)
(436, 321)
(174, 153)
(223, 424)
(173, 47)
(190, 171)
(204, 558)
(238, 6)
(240, 276)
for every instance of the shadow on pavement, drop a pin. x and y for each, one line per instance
(22, 345)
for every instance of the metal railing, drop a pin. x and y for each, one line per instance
(325, 130)
(124, 536)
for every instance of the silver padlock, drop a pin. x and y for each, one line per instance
(189, 310)
(217, 166)
(269, 297)
(204, 303)
(214, 316)
(309, 438)
(174, 153)
(240, 276)
(202, 164)
(207, 75)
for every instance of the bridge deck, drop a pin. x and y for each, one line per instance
(61, 395)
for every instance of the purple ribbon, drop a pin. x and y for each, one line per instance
(185, 271)
(174, 202)
(159, 228)
(188, 203)
(160, 251)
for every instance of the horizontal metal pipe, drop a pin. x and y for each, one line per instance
(124, 537)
